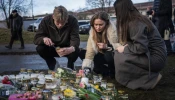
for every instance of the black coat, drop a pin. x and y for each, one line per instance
(16, 23)
(164, 14)
(67, 36)
(139, 65)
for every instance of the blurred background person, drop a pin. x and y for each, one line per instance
(16, 23)
(162, 18)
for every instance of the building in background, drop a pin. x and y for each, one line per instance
(142, 7)
(86, 15)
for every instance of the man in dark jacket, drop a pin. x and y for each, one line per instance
(162, 14)
(16, 23)
(58, 36)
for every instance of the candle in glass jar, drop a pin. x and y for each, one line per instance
(103, 83)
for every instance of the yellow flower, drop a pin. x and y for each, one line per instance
(96, 87)
(69, 93)
(121, 91)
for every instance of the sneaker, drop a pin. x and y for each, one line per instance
(9, 47)
(57, 65)
(157, 81)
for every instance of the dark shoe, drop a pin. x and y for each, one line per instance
(9, 47)
(21, 47)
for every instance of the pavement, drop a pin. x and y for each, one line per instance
(14, 59)
(29, 49)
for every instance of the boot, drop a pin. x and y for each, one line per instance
(9, 47)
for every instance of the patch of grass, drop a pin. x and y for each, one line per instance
(27, 36)
(84, 37)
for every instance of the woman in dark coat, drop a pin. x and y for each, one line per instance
(142, 56)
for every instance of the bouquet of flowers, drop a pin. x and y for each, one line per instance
(63, 73)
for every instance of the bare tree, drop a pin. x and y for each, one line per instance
(99, 5)
(6, 6)
(82, 9)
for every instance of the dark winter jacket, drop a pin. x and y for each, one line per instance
(16, 23)
(164, 15)
(156, 5)
(67, 36)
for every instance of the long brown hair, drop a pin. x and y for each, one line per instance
(102, 36)
(125, 13)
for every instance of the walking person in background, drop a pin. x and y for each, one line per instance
(162, 18)
(57, 36)
(142, 56)
(101, 43)
(16, 23)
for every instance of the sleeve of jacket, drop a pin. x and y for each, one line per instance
(167, 8)
(74, 35)
(41, 33)
(138, 36)
(90, 53)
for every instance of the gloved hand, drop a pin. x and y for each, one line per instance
(88, 64)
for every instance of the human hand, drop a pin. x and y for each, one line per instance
(120, 49)
(48, 41)
(102, 45)
(65, 51)
(69, 50)
(60, 51)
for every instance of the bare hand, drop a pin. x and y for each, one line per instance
(120, 49)
(65, 51)
(60, 51)
(102, 45)
(48, 41)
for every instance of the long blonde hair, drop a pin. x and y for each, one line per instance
(100, 37)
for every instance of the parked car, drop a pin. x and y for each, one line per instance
(84, 26)
(83, 22)
(84, 29)
(34, 27)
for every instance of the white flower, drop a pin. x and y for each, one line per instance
(60, 70)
